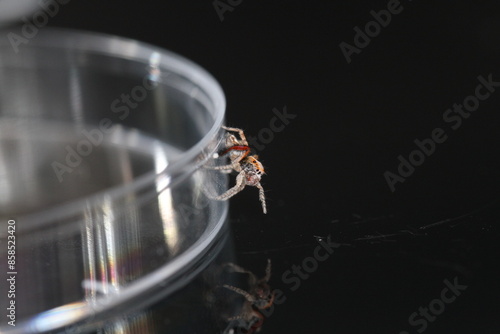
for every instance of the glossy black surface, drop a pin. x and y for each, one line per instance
(392, 252)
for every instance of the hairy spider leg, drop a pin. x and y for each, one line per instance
(239, 131)
(240, 184)
(242, 292)
(236, 268)
(262, 197)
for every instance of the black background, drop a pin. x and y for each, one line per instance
(325, 169)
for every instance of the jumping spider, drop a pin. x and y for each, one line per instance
(249, 168)
(259, 297)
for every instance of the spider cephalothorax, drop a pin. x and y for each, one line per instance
(249, 169)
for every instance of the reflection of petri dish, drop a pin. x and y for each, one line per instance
(102, 142)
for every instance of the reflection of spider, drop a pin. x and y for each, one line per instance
(249, 168)
(259, 297)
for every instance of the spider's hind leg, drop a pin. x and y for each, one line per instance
(240, 185)
(262, 197)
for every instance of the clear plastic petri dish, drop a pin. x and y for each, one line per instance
(103, 205)
(15, 10)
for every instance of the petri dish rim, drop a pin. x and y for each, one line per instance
(133, 50)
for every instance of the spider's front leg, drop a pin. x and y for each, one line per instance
(237, 269)
(243, 139)
(240, 185)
